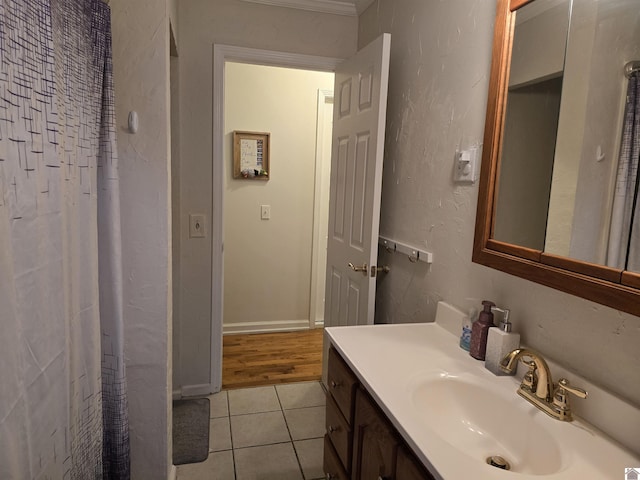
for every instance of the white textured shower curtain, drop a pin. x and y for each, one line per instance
(624, 234)
(62, 386)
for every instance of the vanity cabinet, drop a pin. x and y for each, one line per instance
(375, 442)
(360, 442)
(409, 467)
(341, 384)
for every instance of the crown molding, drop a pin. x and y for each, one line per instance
(322, 6)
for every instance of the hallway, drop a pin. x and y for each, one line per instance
(271, 358)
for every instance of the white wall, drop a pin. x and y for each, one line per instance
(267, 279)
(141, 76)
(523, 188)
(231, 22)
(175, 207)
(539, 45)
(440, 60)
(570, 130)
(173, 18)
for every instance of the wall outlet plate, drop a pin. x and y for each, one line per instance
(197, 225)
(465, 166)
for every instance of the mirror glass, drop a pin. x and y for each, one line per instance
(564, 117)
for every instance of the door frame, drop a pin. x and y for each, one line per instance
(222, 54)
(325, 97)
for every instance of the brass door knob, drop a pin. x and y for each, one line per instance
(363, 268)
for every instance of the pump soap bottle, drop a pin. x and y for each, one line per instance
(500, 342)
(480, 330)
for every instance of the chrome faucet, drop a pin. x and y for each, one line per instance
(537, 386)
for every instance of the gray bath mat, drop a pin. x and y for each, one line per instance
(190, 430)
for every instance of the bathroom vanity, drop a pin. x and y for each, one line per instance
(360, 439)
(404, 402)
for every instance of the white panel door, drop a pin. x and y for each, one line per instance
(360, 105)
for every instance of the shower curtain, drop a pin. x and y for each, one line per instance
(62, 385)
(624, 234)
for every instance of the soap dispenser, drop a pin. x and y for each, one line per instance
(500, 342)
(480, 330)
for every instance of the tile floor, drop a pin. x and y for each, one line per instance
(264, 433)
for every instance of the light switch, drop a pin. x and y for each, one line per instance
(197, 226)
(265, 212)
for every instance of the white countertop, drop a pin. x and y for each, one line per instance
(392, 360)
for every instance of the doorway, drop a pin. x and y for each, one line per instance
(269, 219)
(222, 215)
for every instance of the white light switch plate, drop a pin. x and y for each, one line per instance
(265, 212)
(197, 226)
(466, 165)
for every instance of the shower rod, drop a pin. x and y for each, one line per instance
(631, 67)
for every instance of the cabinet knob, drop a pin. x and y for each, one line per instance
(332, 429)
(334, 384)
(330, 477)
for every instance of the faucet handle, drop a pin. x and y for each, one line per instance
(561, 400)
(563, 385)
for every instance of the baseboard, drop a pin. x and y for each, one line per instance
(196, 390)
(265, 327)
(176, 394)
(319, 323)
(173, 473)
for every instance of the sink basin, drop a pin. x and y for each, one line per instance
(453, 413)
(481, 423)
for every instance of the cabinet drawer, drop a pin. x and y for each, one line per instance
(339, 432)
(342, 384)
(331, 464)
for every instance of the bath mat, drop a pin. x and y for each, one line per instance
(190, 430)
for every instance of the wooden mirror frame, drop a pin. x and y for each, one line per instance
(605, 285)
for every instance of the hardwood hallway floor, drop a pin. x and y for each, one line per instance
(271, 358)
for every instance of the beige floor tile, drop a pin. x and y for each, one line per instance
(219, 434)
(269, 462)
(253, 400)
(219, 466)
(310, 453)
(219, 405)
(306, 423)
(258, 429)
(300, 395)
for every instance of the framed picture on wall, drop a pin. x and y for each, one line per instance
(251, 155)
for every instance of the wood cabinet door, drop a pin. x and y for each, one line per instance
(375, 444)
(331, 464)
(409, 468)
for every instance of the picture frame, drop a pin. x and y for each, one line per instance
(251, 155)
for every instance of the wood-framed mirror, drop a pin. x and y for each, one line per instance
(557, 89)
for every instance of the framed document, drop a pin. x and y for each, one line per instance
(251, 155)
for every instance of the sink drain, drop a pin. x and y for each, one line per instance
(498, 462)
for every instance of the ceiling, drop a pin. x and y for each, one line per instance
(337, 7)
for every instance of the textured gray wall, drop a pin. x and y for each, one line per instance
(440, 60)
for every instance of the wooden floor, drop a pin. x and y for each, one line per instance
(270, 358)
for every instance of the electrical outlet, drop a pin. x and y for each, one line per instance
(197, 226)
(265, 212)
